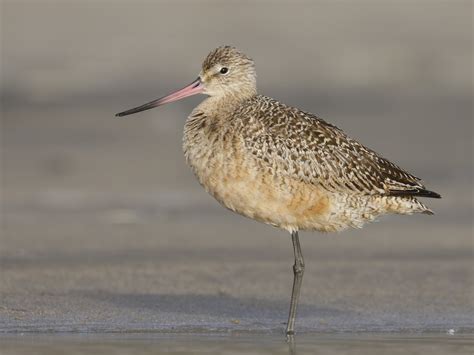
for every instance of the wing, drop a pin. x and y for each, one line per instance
(302, 146)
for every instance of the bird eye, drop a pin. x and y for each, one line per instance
(224, 70)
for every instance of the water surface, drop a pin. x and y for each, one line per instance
(144, 344)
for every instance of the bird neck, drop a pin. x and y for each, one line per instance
(226, 103)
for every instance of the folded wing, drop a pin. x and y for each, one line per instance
(300, 145)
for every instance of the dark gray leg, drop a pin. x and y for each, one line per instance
(298, 270)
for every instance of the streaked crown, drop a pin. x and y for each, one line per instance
(227, 71)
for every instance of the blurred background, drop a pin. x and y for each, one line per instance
(103, 225)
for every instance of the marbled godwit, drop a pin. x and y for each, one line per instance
(283, 166)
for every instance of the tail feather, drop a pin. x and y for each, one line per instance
(407, 205)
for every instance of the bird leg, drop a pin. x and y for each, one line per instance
(298, 270)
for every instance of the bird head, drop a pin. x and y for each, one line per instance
(226, 72)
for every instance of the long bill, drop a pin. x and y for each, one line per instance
(194, 88)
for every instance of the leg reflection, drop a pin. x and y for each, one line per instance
(290, 339)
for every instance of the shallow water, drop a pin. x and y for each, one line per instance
(236, 344)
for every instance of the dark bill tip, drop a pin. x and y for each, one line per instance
(144, 107)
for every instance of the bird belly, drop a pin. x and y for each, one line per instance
(273, 202)
(239, 184)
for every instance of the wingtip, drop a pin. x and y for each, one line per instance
(415, 193)
(432, 194)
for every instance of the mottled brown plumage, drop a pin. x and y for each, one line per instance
(256, 155)
(283, 166)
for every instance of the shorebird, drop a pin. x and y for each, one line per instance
(283, 166)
